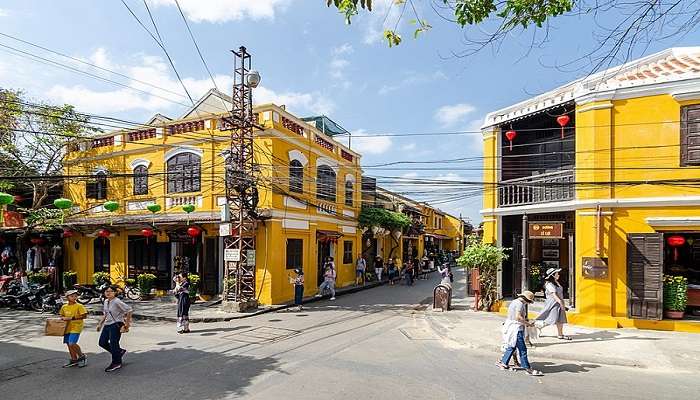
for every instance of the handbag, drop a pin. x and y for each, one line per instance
(55, 327)
(122, 326)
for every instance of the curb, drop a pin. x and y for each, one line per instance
(312, 299)
(441, 330)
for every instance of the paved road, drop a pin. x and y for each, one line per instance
(374, 344)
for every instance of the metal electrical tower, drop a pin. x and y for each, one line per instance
(241, 188)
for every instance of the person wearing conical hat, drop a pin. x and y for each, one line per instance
(514, 333)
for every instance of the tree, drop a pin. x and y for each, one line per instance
(486, 258)
(621, 26)
(391, 221)
(33, 141)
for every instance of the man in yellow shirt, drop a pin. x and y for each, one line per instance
(74, 313)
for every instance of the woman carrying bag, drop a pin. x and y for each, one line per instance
(116, 319)
(182, 292)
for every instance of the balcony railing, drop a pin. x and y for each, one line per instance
(544, 188)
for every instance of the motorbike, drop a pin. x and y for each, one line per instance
(29, 299)
(14, 288)
(52, 303)
(87, 293)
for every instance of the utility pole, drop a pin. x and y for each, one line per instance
(241, 189)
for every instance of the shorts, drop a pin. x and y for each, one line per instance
(71, 338)
(359, 273)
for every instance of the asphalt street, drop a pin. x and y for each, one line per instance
(374, 344)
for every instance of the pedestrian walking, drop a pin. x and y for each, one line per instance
(378, 268)
(444, 272)
(298, 282)
(554, 311)
(360, 267)
(329, 276)
(74, 313)
(182, 293)
(116, 319)
(514, 333)
(408, 273)
(391, 271)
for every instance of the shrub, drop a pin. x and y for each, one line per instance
(487, 258)
(675, 293)
(194, 284)
(38, 277)
(100, 278)
(70, 278)
(145, 283)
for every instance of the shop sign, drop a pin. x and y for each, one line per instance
(225, 230)
(232, 255)
(250, 257)
(595, 267)
(546, 230)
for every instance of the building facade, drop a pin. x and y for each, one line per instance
(309, 196)
(600, 191)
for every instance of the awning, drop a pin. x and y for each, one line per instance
(436, 236)
(328, 234)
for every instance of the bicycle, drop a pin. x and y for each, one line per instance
(131, 292)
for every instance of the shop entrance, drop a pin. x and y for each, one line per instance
(324, 251)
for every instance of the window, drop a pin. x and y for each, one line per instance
(184, 173)
(296, 177)
(295, 253)
(140, 180)
(348, 193)
(347, 252)
(325, 183)
(97, 188)
(690, 135)
(101, 254)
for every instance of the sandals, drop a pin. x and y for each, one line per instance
(502, 366)
(563, 337)
(534, 372)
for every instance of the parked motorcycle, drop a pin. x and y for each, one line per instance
(29, 299)
(14, 288)
(87, 293)
(52, 303)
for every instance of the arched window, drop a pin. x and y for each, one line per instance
(325, 183)
(140, 180)
(184, 173)
(296, 177)
(97, 188)
(349, 190)
(101, 254)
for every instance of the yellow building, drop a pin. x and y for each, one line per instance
(600, 197)
(309, 199)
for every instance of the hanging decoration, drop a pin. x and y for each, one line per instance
(510, 135)
(67, 233)
(193, 232)
(104, 234)
(188, 208)
(153, 208)
(37, 240)
(147, 233)
(111, 206)
(563, 120)
(63, 205)
(675, 241)
(5, 199)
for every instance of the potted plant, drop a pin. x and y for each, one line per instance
(194, 286)
(38, 278)
(145, 284)
(535, 277)
(675, 296)
(70, 278)
(100, 278)
(487, 258)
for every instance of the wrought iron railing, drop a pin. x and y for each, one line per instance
(543, 188)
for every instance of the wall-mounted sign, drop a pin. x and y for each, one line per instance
(595, 267)
(546, 230)
(250, 257)
(225, 230)
(232, 255)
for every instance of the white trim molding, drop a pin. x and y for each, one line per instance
(293, 203)
(299, 156)
(306, 217)
(348, 229)
(350, 178)
(182, 149)
(328, 162)
(295, 224)
(140, 162)
(349, 213)
(673, 221)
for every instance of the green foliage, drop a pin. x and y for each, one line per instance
(535, 277)
(194, 284)
(393, 38)
(145, 283)
(349, 8)
(130, 281)
(486, 258)
(230, 285)
(675, 293)
(391, 220)
(48, 218)
(38, 277)
(99, 278)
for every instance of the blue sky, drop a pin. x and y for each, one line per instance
(310, 61)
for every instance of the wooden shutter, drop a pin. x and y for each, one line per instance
(690, 135)
(91, 190)
(645, 276)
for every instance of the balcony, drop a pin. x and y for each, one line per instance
(543, 188)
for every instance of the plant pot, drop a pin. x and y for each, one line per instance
(670, 314)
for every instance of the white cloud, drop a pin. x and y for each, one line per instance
(364, 144)
(412, 78)
(3, 13)
(345, 48)
(314, 103)
(451, 115)
(338, 65)
(409, 146)
(385, 15)
(219, 11)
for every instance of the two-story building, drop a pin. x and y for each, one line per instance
(598, 175)
(169, 177)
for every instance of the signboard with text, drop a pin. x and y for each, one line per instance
(546, 230)
(232, 255)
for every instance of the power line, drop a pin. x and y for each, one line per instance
(194, 41)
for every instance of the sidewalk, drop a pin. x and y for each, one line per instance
(672, 351)
(165, 309)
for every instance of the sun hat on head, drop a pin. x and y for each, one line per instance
(70, 292)
(299, 271)
(527, 296)
(551, 271)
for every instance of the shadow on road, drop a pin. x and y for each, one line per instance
(552, 368)
(596, 337)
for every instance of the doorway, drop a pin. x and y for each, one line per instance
(324, 251)
(210, 267)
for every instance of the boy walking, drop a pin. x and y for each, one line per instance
(74, 313)
(360, 267)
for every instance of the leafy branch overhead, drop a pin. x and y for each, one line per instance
(390, 220)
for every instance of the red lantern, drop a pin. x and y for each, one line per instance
(675, 241)
(37, 240)
(510, 135)
(193, 232)
(104, 234)
(67, 233)
(147, 233)
(563, 120)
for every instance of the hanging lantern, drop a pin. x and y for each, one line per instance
(153, 208)
(563, 120)
(104, 234)
(67, 233)
(510, 135)
(193, 232)
(675, 241)
(188, 208)
(37, 240)
(5, 199)
(147, 233)
(63, 205)
(111, 206)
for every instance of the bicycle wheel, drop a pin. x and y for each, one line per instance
(132, 293)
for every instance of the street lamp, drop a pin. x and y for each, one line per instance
(253, 78)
